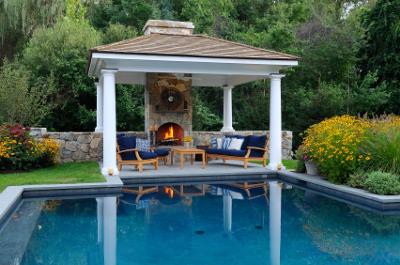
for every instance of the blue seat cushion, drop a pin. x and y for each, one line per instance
(245, 140)
(147, 155)
(143, 155)
(227, 152)
(161, 152)
(256, 141)
(128, 155)
(126, 142)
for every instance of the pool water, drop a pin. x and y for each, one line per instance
(199, 224)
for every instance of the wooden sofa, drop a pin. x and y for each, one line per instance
(254, 148)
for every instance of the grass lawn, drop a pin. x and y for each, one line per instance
(289, 164)
(58, 174)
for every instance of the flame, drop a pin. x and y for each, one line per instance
(169, 191)
(170, 133)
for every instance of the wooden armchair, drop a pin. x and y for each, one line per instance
(132, 156)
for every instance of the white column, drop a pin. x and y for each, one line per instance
(275, 204)
(109, 123)
(275, 123)
(99, 106)
(110, 230)
(227, 110)
(227, 208)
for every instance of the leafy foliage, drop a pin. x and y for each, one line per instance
(382, 145)
(382, 183)
(18, 101)
(118, 32)
(381, 53)
(336, 40)
(61, 52)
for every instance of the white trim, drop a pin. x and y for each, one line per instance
(120, 56)
(146, 63)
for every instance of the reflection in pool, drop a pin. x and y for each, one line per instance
(261, 223)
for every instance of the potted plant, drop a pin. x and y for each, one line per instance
(311, 166)
(187, 141)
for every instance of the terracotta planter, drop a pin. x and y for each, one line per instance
(311, 168)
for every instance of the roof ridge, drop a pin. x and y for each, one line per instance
(248, 46)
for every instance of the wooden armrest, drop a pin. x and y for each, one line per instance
(256, 148)
(128, 150)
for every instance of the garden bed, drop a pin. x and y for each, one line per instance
(358, 152)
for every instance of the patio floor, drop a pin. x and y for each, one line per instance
(215, 171)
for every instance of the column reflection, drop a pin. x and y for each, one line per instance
(275, 204)
(227, 206)
(107, 227)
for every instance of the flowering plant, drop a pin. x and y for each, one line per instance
(334, 145)
(188, 139)
(19, 151)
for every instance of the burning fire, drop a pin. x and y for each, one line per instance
(169, 191)
(170, 133)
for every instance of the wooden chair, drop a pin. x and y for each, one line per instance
(140, 191)
(125, 158)
(248, 186)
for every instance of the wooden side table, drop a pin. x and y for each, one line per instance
(182, 151)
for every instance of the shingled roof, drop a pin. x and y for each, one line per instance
(190, 45)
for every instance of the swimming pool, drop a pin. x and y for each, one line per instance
(199, 224)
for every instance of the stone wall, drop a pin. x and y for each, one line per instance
(85, 146)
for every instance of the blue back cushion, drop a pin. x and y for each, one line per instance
(256, 141)
(126, 142)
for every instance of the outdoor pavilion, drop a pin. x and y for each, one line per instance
(170, 47)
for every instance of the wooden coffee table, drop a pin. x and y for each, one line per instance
(182, 151)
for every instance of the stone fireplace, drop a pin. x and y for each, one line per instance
(168, 97)
(168, 107)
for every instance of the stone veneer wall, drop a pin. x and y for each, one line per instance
(86, 146)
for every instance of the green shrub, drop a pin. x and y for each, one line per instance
(383, 146)
(382, 183)
(300, 157)
(357, 180)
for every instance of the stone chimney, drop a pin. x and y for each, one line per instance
(168, 27)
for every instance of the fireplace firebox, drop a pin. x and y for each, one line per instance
(170, 133)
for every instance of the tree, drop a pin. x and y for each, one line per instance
(61, 51)
(381, 51)
(20, 103)
(19, 18)
(118, 32)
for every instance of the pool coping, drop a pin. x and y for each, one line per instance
(12, 195)
(342, 192)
